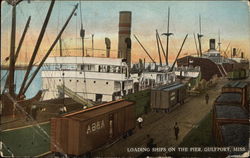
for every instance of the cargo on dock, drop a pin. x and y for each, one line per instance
(84, 131)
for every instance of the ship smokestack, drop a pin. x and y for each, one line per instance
(212, 44)
(242, 55)
(234, 52)
(128, 52)
(108, 46)
(124, 33)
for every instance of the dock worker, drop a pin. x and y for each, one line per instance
(140, 120)
(1, 149)
(62, 110)
(150, 144)
(176, 130)
(207, 98)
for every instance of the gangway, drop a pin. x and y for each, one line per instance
(220, 69)
(225, 72)
(74, 96)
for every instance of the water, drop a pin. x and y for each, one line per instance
(31, 92)
(19, 76)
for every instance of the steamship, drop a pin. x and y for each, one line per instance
(100, 79)
(212, 63)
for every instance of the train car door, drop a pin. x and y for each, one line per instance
(111, 126)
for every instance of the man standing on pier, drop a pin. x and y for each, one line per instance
(176, 130)
(140, 120)
(207, 98)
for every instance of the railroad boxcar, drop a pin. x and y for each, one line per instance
(231, 117)
(238, 74)
(166, 97)
(237, 87)
(230, 98)
(81, 132)
(230, 125)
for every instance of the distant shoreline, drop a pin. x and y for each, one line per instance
(17, 67)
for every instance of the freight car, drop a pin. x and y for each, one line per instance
(84, 131)
(166, 97)
(230, 126)
(230, 117)
(235, 91)
(238, 74)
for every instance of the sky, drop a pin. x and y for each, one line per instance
(101, 18)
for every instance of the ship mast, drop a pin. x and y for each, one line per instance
(18, 49)
(38, 43)
(0, 62)
(196, 45)
(50, 50)
(158, 48)
(22, 38)
(167, 34)
(159, 39)
(12, 51)
(92, 44)
(200, 36)
(219, 43)
(0, 51)
(82, 31)
(171, 69)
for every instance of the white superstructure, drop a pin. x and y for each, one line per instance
(191, 72)
(97, 79)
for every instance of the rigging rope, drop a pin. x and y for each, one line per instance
(85, 94)
(4, 75)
